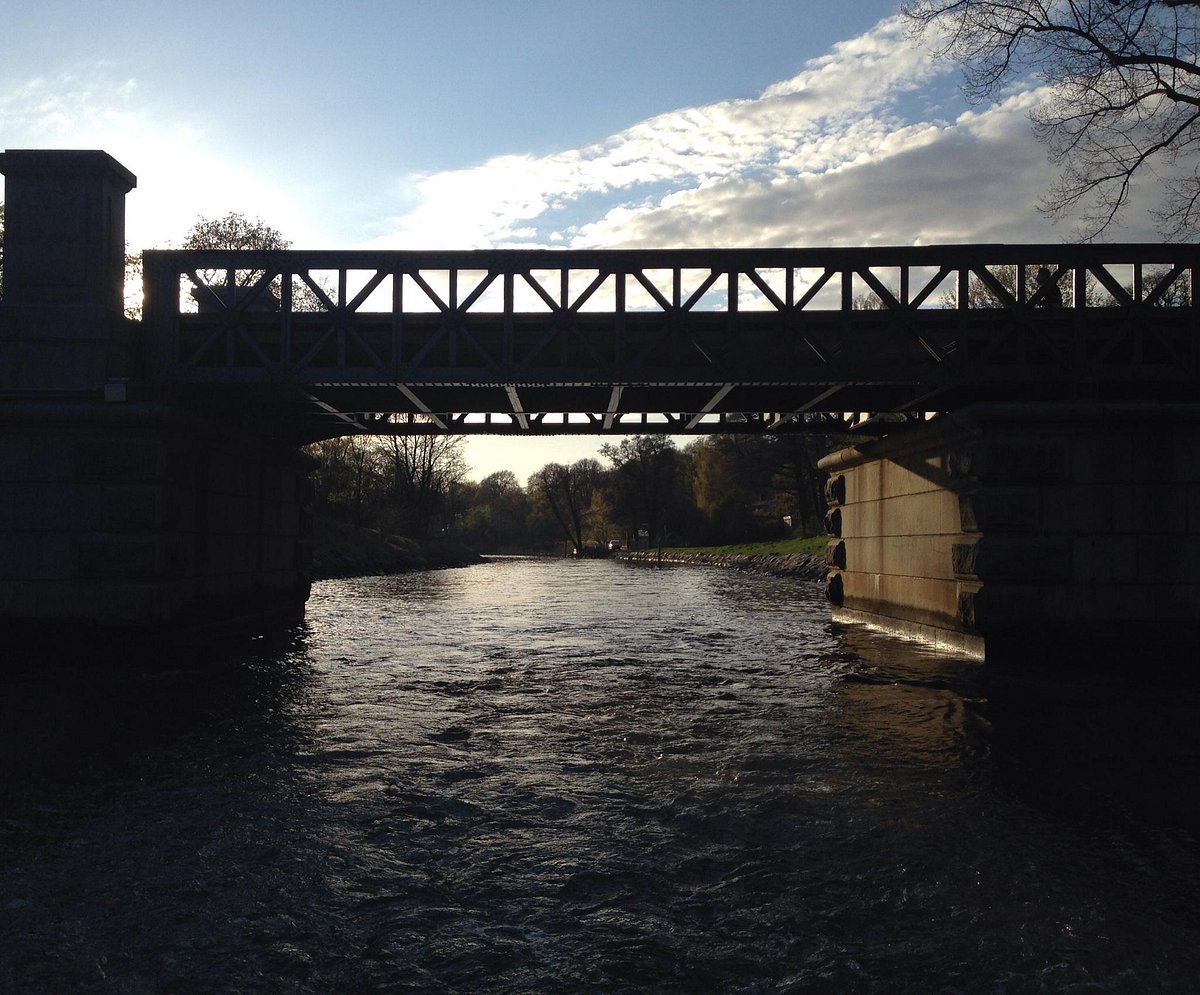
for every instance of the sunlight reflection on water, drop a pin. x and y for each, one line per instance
(549, 775)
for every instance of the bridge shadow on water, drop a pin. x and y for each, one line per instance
(1122, 747)
(75, 711)
(1110, 745)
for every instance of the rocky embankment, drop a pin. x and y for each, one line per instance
(340, 550)
(800, 565)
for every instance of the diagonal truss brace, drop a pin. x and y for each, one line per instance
(421, 405)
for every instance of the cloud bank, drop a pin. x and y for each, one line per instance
(870, 144)
(856, 149)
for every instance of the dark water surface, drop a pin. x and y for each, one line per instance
(535, 776)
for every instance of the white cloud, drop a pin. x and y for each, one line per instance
(834, 155)
(839, 111)
(847, 151)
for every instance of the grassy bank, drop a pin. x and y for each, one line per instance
(808, 546)
(800, 558)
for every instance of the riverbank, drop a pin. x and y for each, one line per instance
(341, 550)
(791, 558)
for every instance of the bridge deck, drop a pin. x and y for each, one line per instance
(319, 343)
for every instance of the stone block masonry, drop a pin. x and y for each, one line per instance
(134, 516)
(1024, 533)
(117, 514)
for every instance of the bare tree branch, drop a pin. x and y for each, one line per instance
(1124, 91)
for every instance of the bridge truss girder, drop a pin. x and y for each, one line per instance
(681, 341)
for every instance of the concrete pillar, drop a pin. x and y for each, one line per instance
(65, 227)
(1025, 533)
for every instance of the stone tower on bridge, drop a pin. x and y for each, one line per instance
(118, 512)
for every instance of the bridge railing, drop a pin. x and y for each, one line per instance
(812, 329)
(297, 311)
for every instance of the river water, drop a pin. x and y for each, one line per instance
(555, 776)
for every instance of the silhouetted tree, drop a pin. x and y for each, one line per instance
(1124, 91)
(236, 231)
(651, 464)
(233, 231)
(567, 492)
(406, 484)
(799, 485)
(496, 513)
(1177, 293)
(331, 478)
(422, 472)
(981, 294)
(348, 480)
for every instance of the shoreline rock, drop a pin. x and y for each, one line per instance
(802, 566)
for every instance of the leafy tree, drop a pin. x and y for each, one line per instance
(746, 485)
(717, 470)
(606, 515)
(236, 231)
(567, 492)
(799, 485)
(497, 512)
(1124, 91)
(233, 231)
(651, 464)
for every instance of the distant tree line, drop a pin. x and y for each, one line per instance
(408, 485)
(647, 491)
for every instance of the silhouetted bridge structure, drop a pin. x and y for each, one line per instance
(1032, 487)
(315, 344)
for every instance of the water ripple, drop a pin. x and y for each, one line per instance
(559, 776)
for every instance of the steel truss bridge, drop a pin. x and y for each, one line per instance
(313, 344)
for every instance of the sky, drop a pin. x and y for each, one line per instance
(528, 123)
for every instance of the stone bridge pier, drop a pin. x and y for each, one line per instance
(1027, 534)
(118, 509)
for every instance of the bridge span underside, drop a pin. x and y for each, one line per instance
(307, 345)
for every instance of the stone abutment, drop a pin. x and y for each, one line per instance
(120, 514)
(1025, 533)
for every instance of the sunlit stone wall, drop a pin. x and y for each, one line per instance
(1025, 532)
